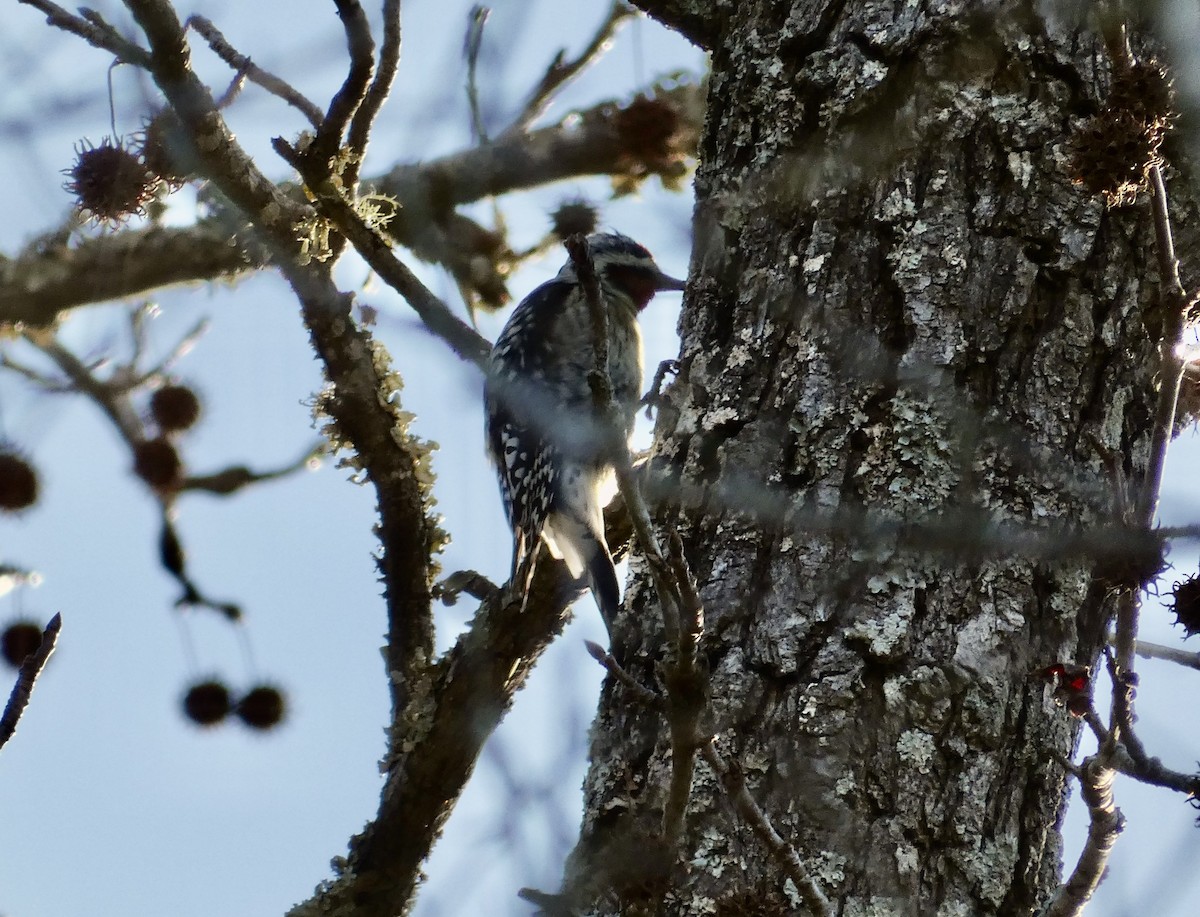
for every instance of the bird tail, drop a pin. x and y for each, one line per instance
(585, 551)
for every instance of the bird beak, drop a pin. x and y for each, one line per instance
(667, 282)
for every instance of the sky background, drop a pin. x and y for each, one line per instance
(110, 802)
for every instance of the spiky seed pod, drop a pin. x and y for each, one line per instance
(175, 408)
(207, 703)
(263, 707)
(1144, 89)
(109, 182)
(20, 638)
(645, 127)
(164, 151)
(18, 482)
(574, 217)
(157, 463)
(1186, 605)
(1111, 154)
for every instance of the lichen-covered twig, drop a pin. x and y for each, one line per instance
(350, 95)
(28, 674)
(464, 340)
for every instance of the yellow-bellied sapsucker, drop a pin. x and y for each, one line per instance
(543, 431)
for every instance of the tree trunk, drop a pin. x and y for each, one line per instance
(907, 332)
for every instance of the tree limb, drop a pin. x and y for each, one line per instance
(51, 277)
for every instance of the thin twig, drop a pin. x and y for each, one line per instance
(28, 674)
(94, 30)
(381, 87)
(254, 73)
(353, 90)
(114, 403)
(471, 45)
(785, 855)
(1152, 772)
(561, 72)
(1175, 301)
(236, 477)
(640, 692)
(1170, 653)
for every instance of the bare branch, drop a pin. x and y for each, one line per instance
(640, 692)
(27, 675)
(381, 87)
(1169, 653)
(111, 399)
(735, 786)
(236, 477)
(471, 45)
(561, 72)
(94, 30)
(353, 89)
(1106, 824)
(254, 73)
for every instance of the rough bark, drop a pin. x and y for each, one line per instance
(901, 312)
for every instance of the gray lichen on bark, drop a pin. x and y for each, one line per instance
(905, 327)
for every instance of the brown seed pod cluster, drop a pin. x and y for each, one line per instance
(207, 703)
(1144, 89)
(263, 707)
(1186, 605)
(116, 180)
(1112, 152)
